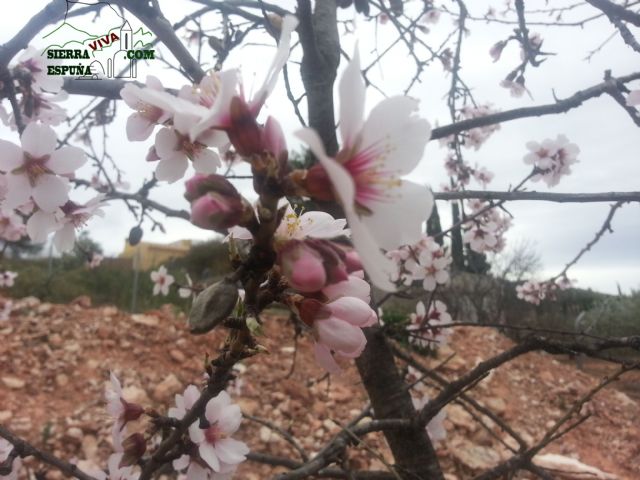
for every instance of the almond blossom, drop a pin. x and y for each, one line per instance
(115, 471)
(94, 260)
(63, 222)
(5, 450)
(35, 64)
(140, 124)
(432, 266)
(424, 328)
(7, 278)
(34, 169)
(236, 115)
(383, 210)
(12, 228)
(552, 159)
(119, 408)
(337, 323)
(215, 447)
(532, 292)
(435, 427)
(161, 281)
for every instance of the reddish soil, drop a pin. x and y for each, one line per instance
(55, 362)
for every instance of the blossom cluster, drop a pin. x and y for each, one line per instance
(534, 292)
(484, 232)
(426, 261)
(426, 329)
(552, 159)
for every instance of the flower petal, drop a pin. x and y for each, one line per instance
(18, 191)
(352, 95)
(66, 160)
(40, 225)
(11, 156)
(392, 125)
(50, 192)
(171, 169)
(206, 161)
(209, 455)
(139, 127)
(325, 359)
(65, 238)
(399, 221)
(38, 140)
(340, 335)
(231, 451)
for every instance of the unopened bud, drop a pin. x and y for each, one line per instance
(215, 212)
(132, 411)
(212, 306)
(134, 447)
(201, 184)
(273, 140)
(302, 266)
(244, 132)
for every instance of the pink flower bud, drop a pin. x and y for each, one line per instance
(352, 261)
(244, 132)
(216, 212)
(273, 138)
(201, 184)
(302, 266)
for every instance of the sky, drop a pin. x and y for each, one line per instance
(609, 142)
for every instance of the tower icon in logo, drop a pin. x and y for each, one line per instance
(121, 66)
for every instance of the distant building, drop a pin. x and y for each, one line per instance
(147, 255)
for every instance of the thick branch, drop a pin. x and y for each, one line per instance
(541, 196)
(561, 106)
(25, 449)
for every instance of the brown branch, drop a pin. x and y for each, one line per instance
(611, 9)
(25, 449)
(540, 196)
(561, 106)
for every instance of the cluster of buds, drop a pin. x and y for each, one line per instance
(485, 231)
(552, 159)
(534, 292)
(425, 261)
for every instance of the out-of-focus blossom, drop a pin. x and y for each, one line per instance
(95, 260)
(7, 278)
(552, 159)
(5, 451)
(34, 170)
(424, 328)
(161, 281)
(35, 65)
(633, 98)
(532, 292)
(140, 124)
(435, 427)
(119, 408)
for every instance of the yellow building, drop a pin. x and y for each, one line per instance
(147, 255)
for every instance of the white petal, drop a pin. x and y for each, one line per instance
(65, 238)
(38, 140)
(11, 156)
(325, 359)
(399, 221)
(18, 191)
(230, 419)
(171, 169)
(209, 455)
(206, 161)
(289, 24)
(231, 451)
(196, 472)
(139, 127)
(391, 125)
(166, 142)
(321, 225)
(181, 463)
(352, 95)
(40, 225)
(50, 192)
(66, 160)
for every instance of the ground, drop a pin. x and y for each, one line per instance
(55, 362)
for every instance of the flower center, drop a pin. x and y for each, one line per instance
(33, 168)
(213, 434)
(191, 149)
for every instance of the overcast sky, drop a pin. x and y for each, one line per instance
(608, 140)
